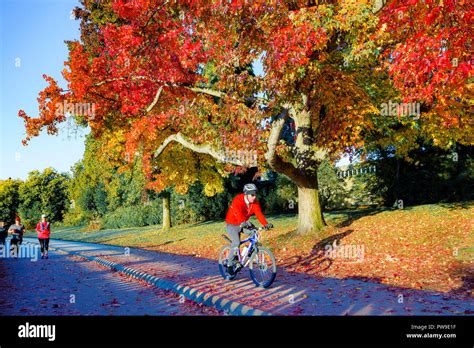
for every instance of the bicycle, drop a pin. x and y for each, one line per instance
(260, 260)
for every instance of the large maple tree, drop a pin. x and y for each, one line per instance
(167, 72)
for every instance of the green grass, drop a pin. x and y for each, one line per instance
(154, 235)
(189, 235)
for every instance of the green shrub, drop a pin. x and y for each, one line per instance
(280, 196)
(195, 206)
(133, 216)
(72, 218)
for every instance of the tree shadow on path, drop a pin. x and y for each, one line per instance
(318, 258)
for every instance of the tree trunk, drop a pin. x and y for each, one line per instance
(310, 215)
(166, 212)
(304, 172)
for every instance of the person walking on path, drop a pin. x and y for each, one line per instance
(44, 231)
(16, 230)
(3, 233)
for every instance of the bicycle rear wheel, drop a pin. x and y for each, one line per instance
(223, 256)
(263, 267)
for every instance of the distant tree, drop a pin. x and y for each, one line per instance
(429, 175)
(44, 193)
(9, 199)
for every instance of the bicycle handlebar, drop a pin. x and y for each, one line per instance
(254, 229)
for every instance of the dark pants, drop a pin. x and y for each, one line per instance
(15, 246)
(44, 244)
(16, 239)
(3, 237)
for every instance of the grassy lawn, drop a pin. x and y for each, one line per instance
(428, 247)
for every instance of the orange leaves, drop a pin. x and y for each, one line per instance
(78, 75)
(418, 248)
(132, 9)
(50, 101)
(430, 61)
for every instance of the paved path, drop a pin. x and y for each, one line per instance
(69, 285)
(291, 294)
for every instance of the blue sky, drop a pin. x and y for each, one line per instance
(32, 34)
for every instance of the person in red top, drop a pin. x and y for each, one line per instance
(44, 231)
(243, 206)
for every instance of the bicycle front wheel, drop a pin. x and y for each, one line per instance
(263, 267)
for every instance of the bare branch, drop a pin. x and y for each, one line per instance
(273, 160)
(207, 91)
(199, 148)
(275, 134)
(155, 100)
(378, 6)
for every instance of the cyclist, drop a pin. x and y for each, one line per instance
(243, 206)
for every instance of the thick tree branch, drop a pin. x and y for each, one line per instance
(222, 94)
(199, 148)
(155, 100)
(275, 161)
(207, 91)
(378, 6)
(275, 134)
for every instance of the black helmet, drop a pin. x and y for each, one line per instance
(250, 189)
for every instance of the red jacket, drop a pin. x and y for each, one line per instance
(43, 229)
(239, 212)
